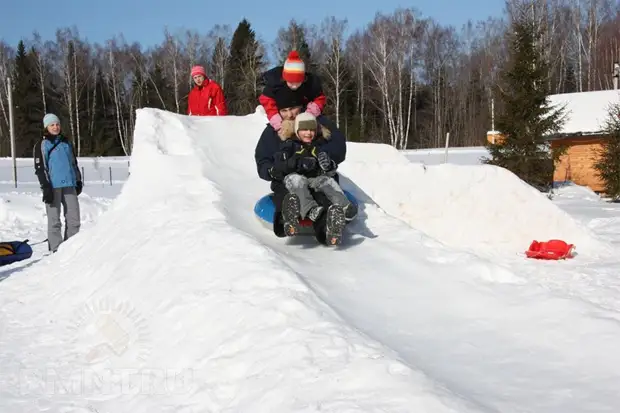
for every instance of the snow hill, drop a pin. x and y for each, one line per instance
(179, 300)
(471, 155)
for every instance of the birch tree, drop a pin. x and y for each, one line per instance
(220, 37)
(6, 67)
(114, 75)
(329, 47)
(64, 52)
(174, 67)
(355, 53)
(42, 66)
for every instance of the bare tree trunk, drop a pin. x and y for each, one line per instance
(331, 47)
(411, 102)
(93, 107)
(5, 69)
(77, 136)
(220, 36)
(173, 57)
(66, 49)
(41, 70)
(579, 46)
(379, 59)
(117, 101)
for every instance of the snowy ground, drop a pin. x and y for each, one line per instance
(458, 156)
(22, 213)
(174, 298)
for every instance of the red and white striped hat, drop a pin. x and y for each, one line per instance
(294, 68)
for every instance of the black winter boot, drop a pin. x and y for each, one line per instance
(334, 225)
(290, 214)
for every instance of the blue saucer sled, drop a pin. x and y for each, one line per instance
(265, 212)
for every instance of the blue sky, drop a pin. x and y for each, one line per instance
(144, 21)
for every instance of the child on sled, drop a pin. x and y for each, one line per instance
(314, 171)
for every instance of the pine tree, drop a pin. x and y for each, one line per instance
(526, 118)
(27, 102)
(245, 63)
(608, 164)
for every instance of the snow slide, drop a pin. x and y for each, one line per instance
(179, 300)
(166, 307)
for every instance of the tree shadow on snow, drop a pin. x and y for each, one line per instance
(355, 232)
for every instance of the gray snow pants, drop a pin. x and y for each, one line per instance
(300, 185)
(68, 199)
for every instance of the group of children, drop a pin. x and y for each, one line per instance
(57, 170)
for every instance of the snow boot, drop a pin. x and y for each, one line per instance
(290, 214)
(334, 225)
(350, 212)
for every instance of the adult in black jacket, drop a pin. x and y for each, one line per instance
(269, 146)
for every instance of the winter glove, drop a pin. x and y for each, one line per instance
(276, 174)
(313, 109)
(283, 165)
(287, 129)
(78, 187)
(276, 122)
(306, 164)
(48, 194)
(325, 162)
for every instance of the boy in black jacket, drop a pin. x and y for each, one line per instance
(305, 168)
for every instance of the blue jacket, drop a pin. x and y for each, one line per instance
(55, 163)
(270, 143)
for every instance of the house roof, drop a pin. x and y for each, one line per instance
(585, 112)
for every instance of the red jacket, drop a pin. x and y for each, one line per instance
(311, 89)
(207, 100)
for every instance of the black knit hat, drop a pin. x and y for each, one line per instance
(287, 98)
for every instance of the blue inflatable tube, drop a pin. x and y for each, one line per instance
(14, 251)
(265, 211)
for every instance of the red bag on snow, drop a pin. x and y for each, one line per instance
(554, 249)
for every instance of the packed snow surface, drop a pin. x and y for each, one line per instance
(176, 299)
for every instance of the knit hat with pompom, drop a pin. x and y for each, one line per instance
(294, 70)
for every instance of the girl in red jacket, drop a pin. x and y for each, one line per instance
(207, 97)
(292, 75)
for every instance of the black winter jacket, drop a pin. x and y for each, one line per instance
(333, 142)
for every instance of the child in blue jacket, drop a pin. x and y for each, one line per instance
(56, 167)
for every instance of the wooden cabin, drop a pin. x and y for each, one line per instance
(494, 137)
(582, 135)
